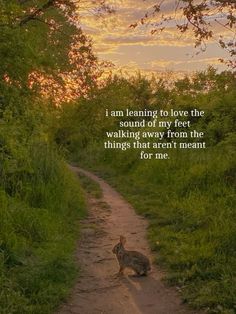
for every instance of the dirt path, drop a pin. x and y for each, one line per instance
(98, 290)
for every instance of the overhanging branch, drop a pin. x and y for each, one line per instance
(37, 12)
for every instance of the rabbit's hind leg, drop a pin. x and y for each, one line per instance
(140, 271)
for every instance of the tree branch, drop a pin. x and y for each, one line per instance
(37, 12)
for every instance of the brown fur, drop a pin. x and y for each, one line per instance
(131, 259)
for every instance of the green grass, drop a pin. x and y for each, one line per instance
(190, 203)
(90, 186)
(189, 199)
(39, 227)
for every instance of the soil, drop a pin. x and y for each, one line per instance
(99, 289)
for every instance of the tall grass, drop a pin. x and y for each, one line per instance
(38, 232)
(190, 203)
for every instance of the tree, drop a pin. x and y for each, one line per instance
(200, 17)
(42, 45)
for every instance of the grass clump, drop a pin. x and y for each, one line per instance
(91, 187)
(38, 231)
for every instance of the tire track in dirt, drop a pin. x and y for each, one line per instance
(98, 289)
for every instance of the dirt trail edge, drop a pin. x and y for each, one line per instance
(98, 289)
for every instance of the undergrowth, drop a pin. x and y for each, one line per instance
(39, 226)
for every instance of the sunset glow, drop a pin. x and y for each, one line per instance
(131, 49)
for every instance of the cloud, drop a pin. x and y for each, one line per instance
(163, 63)
(114, 40)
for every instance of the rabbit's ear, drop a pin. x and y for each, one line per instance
(122, 240)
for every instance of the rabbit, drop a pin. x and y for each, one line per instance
(131, 259)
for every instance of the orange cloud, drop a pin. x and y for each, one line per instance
(114, 40)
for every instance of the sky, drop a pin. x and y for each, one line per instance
(131, 49)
